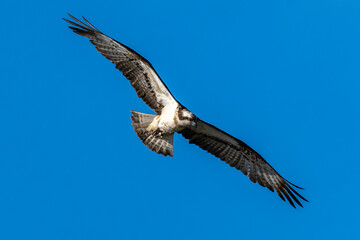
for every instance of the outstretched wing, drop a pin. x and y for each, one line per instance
(135, 68)
(239, 155)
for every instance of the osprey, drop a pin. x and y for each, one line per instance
(157, 131)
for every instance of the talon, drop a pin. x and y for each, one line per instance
(157, 133)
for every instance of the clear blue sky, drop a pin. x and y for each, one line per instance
(283, 76)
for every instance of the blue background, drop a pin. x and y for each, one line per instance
(283, 76)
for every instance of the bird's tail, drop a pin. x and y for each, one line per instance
(159, 144)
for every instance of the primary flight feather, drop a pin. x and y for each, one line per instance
(157, 131)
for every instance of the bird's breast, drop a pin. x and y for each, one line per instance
(167, 123)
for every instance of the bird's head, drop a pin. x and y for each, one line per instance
(187, 118)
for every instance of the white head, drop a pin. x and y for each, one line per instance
(186, 118)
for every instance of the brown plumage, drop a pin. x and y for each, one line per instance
(239, 155)
(157, 131)
(134, 67)
(162, 145)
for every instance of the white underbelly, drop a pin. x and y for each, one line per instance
(166, 121)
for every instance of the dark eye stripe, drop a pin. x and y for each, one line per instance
(186, 118)
(182, 117)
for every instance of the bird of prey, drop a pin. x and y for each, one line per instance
(157, 131)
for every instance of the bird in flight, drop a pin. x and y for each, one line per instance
(157, 131)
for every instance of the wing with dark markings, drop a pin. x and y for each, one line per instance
(156, 95)
(136, 69)
(239, 155)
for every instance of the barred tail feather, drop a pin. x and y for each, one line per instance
(162, 145)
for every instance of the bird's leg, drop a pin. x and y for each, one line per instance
(157, 133)
(153, 128)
